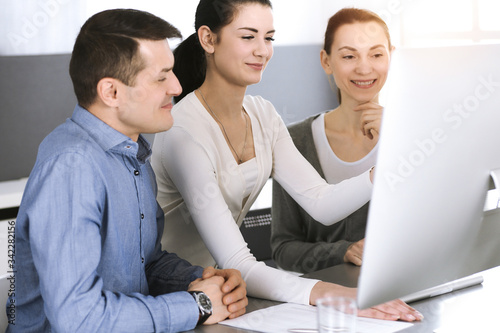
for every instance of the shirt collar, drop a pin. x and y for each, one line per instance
(108, 138)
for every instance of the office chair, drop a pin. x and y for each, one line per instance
(256, 230)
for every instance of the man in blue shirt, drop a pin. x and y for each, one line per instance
(88, 252)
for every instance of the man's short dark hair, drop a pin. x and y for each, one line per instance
(107, 46)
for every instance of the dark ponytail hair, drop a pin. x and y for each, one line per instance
(190, 61)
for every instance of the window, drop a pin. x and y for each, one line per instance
(50, 26)
(449, 22)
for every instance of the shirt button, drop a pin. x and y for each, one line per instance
(136, 172)
(142, 216)
(142, 260)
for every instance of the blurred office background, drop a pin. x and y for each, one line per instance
(37, 36)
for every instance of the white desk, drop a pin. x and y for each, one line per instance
(473, 309)
(11, 193)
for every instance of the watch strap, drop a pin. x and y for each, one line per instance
(204, 305)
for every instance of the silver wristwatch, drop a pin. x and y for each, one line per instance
(204, 305)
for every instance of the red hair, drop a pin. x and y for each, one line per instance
(349, 16)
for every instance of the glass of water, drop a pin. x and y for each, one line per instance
(337, 314)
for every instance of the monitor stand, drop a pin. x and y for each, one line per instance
(485, 253)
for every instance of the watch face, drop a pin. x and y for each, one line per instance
(205, 302)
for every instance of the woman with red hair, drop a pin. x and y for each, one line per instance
(340, 143)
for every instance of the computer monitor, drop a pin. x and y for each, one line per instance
(439, 147)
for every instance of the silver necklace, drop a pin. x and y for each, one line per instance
(224, 129)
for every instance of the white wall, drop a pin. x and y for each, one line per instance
(50, 26)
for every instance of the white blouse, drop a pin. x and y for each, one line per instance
(203, 192)
(335, 169)
(250, 172)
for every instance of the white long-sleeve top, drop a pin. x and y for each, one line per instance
(335, 169)
(202, 189)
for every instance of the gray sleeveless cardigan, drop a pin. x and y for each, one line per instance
(299, 243)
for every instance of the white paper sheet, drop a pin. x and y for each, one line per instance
(283, 317)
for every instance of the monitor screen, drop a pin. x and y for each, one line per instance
(439, 146)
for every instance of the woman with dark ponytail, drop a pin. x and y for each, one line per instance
(190, 65)
(224, 146)
(190, 62)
